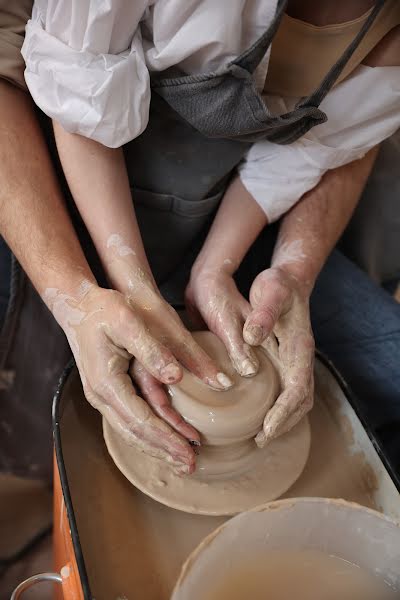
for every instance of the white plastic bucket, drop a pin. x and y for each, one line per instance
(335, 527)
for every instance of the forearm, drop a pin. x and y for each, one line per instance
(311, 229)
(33, 218)
(236, 226)
(99, 183)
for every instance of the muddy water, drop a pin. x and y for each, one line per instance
(133, 546)
(299, 575)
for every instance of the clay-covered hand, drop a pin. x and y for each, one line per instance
(280, 320)
(105, 332)
(214, 297)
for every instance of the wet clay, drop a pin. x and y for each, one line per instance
(259, 475)
(232, 474)
(228, 421)
(233, 416)
(299, 575)
(135, 547)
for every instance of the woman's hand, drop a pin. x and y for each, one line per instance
(280, 320)
(277, 317)
(213, 298)
(105, 330)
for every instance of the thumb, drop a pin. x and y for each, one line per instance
(268, 301)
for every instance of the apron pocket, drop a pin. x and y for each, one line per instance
(170, 225)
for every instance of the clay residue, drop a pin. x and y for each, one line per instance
(303, 575)
(243, 479)
(332, 470)
(234, 415)
(131, 542)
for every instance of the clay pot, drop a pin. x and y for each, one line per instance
(227, 421)
(230, 416)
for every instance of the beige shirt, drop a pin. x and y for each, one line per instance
(302, 54)
(13, 17)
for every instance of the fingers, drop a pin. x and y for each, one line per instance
(270, 344)
(155, 395)
(192, 310)
(295, 418)
(196, 360)
(242, 356)
(193, 357)
(225, 311)
(134, 420)
(229, 328)
(270, 301)
(285, 414)
(131, 334)
(183, 346)
(296, 352)
(297, 360)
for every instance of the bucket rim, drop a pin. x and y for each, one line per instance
(275, 505)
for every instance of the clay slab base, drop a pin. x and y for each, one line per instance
(270, 472)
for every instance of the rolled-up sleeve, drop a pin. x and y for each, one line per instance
(85, 67)
(362, 111)
(13, 18)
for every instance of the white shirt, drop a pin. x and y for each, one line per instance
(362, 111)
(88, 64)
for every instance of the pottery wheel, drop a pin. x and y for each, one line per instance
(232, 474)
(272, 471)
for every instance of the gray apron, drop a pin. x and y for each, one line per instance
(200, 128)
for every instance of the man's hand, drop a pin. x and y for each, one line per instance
(280, 320)
(105, 330)
(277, 317)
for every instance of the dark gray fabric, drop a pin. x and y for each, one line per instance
(227, 104)
(199, 129)
(177, 178)
(5, 276)
(33, 352)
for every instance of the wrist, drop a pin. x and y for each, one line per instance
(65, 303)
(127, 269)
(201, 277)
(303, 279)
(206, 269)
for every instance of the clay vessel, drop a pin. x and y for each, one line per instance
(227, 421)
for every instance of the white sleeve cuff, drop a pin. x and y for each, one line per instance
(104, 97)
(362, 112)
(271, 174)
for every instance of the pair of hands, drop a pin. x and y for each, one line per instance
(128, 346)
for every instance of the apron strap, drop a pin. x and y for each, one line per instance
(251, 58)
(327, 83)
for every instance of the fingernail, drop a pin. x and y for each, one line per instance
(260, 439)
(196, 446)
(224, 380)
(194, 443)
(171, 373)
(266, 436)
(253, 335)
(248, 368)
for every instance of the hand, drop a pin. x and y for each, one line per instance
(277, 317)
(212, 296)
(105, 332)
(224, 311)
(280, 313)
